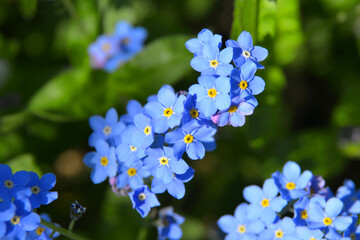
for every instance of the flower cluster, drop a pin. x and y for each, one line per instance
(149, 142)
(295, 206)
(111, 51)
(20, 194)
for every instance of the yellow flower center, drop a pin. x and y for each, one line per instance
(142, 196)
(290, 186)
(214, 63)
(15, 220)
(265, 203)
(168, 112)
(107, 130)
(212, 92)
(243, 84)
(327, 221)
(35, 189)
(312, 238)
(104, 161)
(131, 172)
(188, 138)
(106, 47)
(246, 54)
(132, 148)
(232, 109)
(279, 234)
(9, 184)
(147, 130)
(164, 160)
(304, 214)
(241, 229)
(194, 113)
(40, 230)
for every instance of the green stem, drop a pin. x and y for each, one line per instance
(72, 12)
(71, 225)
(62, 231)
(142, 233)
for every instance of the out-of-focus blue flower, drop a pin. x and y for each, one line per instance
(133, 107)
(245, 51)
(143, 200)
(284, 229)
(306, 234)
(103, 162)
(212, 94)
(167, 111)
(265, 202)
(132, 175)
(325, 215)
(40, 194)
(22, 222)
(245, 80)
(126, 150)
(131, 39)
(350, 197)
(205, 37)
(290, 183)
(101, 50)
(168, 224)
(15, 184)
(108, 128)
(176, 187)
(189, 138)
(240, 226)
(353, 231)
(42, 232)
(212, 61)
(163, 164)
(144, 135)
(317, 186)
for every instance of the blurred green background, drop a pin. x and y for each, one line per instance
(308, 112)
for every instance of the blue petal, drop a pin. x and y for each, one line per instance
(291, 171)
(196, 150)
(205, 35)
(157, 186)
(199, 63)
(30, 222)
(97, 123)
(333, 207)
(111, 117)
(179, 149)
(245, 40)
(342, 223)
(154, 109)
(161, 124)
(21, 178)
(253, 194)
(210, 52)
(232, 44)
(174, 232)
(222, 84)
(237, 119)
(102, 147)
(224, 69)
(198, 91)
(47, 181)
(194, 45)
(98, 174)
(241, 212)
(270, 189)
(226, 55)
(207, 107)
(179, 167)
(304, 179)
(176, 189)
(227, 223)
(222, 101)
(207, 81)
(259, 53)
(248, 70)
(223, 119)
(166, 97)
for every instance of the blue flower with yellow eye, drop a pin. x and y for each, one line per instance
(40, 194)
(212, 94)
(143, 200)
(176, 187)
(101, 50)
(190, 138)
(191, 110)
(205, 37)
(133, 107)
(213, 62)
(168, 224)
(144, 135)
(132, 175)
(291, 182)
(350, 196)
(244, 80)
(15, 184)
(167, 111)
(244, 50)
(284, 229)
(163, 165)
(42, 232)
(103, 162)
(108, 128)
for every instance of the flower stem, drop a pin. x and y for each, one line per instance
(62, 231)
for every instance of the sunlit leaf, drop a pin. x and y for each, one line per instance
(245, 18)
(24, 162)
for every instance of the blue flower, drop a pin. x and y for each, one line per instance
(245, 80)
(101, 50)
(133, 107)
(103, 162)
(291, 184)
(212, 94)
(265, 202)
(317, 186)
(40, 194)
(7, 208)
(189, 138)
(131, 39)
(168, 224)
(240, 226)
(126, 150)
(213, 62)
(306, 234)
(350, 197)
(353, 231)
(205, 37)
(108, 128)
(176, 187)
(132, 175)
(284, 229)
(144, 135)
(167, 111)
(301, 211)
(325, 215)
(43, 232)
(245, 51)
(16, 184)
(163, 165)
(143, 200)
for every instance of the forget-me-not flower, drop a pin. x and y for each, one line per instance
(143, 200)
(132, 175)
(168, 224)
(40, 194)
(205, 37)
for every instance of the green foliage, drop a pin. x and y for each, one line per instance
(28, 8)
(245, 18)
(24, 162)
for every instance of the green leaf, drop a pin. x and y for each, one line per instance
(24, 162)
(10, 145)
(267, 19)
(28, 8)
(113, 16)
(245, 18)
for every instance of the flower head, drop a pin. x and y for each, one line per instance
(143, 200)
(168, 224)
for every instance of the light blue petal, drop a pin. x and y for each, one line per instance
(342, 223)
(253, 194)
(207, 82)
(241, 212)
(333, 207)
(248, 70)
(196, 150)
(161, 124)
(226, 55)
(278, 204)
(224, 69)
(199, 63)
(98, 174)
(227, 223)
(222, 101)
(97, 123)
(198, 90)
(166, 97)
(179, 149)
(268, 216)
(210, 52)
(255, 226)
(222, 84)
(157, 186)
(207, 106)
(304, 179)
(259, 53)
(257, 85)
(194, 45)
(174, 232)
(245, 40)
(205, 35)
(176, 189)
(237, 119)
(291, 171)
(102, 147)
(154, 109)
(30, 221)
(178, 166)
(111, 117)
